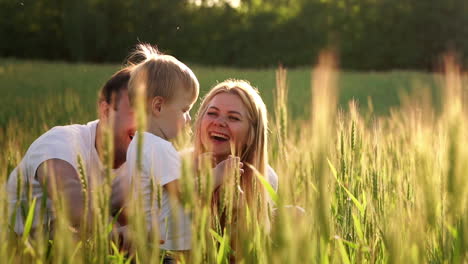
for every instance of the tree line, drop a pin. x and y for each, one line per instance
(367, 34)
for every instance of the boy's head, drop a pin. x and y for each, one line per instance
(167, 87)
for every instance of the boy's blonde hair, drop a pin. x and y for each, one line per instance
(254, 152)
(159, 75)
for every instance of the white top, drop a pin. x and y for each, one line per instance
(272, 178)
(160, 165)
(64, 143)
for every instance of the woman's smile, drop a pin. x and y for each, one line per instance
(219, 137)
(225, 123)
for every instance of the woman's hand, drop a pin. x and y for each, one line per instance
(226, 167)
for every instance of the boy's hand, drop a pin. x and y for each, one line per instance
(226, 167)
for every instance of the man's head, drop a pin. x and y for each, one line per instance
(116, 114)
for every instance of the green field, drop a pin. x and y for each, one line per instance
(378, 184)
(45, 94)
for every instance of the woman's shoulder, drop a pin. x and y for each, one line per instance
(272, 177)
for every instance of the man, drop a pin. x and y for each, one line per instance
(54, 162)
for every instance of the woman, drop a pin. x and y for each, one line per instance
(232, 121)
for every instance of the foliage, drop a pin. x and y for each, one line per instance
(368, 34)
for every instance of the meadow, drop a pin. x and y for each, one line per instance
(376, 180)
(44, 94)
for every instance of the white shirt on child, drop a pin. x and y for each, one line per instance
(65, 143)
(161, 164)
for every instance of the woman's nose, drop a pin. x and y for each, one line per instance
(220, 121)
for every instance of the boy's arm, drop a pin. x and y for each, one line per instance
(61, 180)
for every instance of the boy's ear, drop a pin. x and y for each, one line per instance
(156, 105)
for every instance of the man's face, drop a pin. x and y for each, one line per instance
(124, 128)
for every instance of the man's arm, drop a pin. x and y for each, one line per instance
(61, 181)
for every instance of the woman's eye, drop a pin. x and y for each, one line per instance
(211, 113)
(234, 118)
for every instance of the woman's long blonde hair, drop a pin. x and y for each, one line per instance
(254, 152)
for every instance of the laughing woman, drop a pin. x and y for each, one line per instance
(232, 125)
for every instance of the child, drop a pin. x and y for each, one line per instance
(169, 89)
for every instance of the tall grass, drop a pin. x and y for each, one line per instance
(353, 188)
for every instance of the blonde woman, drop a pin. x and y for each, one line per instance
(232, 122)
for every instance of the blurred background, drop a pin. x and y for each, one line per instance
(367, 34)
(375, 161)
(56, 54)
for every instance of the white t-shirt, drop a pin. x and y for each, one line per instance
(161, 164)
(64, 143)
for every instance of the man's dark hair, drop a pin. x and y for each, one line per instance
(110, 92)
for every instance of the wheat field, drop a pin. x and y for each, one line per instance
(376, 180)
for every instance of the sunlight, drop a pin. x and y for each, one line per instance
(233, 3)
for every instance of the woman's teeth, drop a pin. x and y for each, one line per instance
(219, 136)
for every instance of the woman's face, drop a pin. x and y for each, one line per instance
(225, 122)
